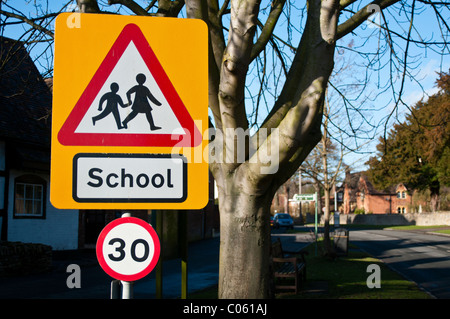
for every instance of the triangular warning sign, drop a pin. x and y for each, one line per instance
(130, 101)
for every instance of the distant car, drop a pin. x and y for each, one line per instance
(271, 222)
(283, 220)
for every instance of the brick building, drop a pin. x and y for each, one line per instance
(359, 194)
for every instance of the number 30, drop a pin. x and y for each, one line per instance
(121, 250)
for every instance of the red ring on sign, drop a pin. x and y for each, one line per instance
(104, 233)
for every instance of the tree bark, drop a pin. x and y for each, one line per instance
(329, 251)
(244, 246)
(245, 192)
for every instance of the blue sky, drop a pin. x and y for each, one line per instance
(375, 101)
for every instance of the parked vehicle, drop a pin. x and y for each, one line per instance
(283, 220)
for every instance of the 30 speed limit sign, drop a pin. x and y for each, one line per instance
(128, 248)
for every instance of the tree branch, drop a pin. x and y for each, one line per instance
(359, 17)
(207, 11)
(217, 48)
(88, 6)
(300, 111)
(269, 26)
(235, 63)
(169, 8)
(132, 5)
(31, 22)
(233, 71)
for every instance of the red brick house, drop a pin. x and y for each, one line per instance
(360, 194)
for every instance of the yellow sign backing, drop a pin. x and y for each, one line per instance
(130, 105)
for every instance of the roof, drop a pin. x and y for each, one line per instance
(358, 181)
(25, 99)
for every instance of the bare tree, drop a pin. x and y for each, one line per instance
(324, 165)
(272, 54)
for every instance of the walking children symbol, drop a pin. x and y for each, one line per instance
(112, 100)
(141, 104)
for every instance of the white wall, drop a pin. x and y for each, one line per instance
(59, 229)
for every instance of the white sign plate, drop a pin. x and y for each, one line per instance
(305, 197)
(129, 178)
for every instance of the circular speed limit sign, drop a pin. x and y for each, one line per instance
(128, 248)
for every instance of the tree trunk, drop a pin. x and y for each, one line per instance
(434, 197)
(244, 246)
(291, 131)
(329, 251)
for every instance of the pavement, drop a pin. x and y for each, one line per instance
(420, 256)
(203, 269)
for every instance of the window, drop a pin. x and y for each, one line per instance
(401, 210)
(29, 197)
(401, 194)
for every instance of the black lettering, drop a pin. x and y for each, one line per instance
(118, 249)
(108, 180)
(169, 178)
(97, 178)
(138, 180)
(161, 180)
(133, 250)
(129, 176)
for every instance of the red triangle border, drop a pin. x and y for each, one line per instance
(131, 32)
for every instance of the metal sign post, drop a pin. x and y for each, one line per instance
(310, 198)
(183, 244)
(159, 266)
(127, 286)
(315, 220)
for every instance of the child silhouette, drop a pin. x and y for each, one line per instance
(112, 100)
(141, 104)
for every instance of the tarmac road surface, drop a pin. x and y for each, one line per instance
(419, 256)
(203, 269)
(96, 284)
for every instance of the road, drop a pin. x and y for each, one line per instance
(419, 256)
(203, 267)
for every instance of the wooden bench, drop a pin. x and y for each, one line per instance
(287, 267)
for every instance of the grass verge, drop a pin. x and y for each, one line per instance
(346, 278)
(343, 278)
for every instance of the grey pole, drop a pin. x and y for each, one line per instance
(127, 286)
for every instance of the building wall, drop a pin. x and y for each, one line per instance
(402, 200)
(385, 203)
(377, 204)
(58, 229)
